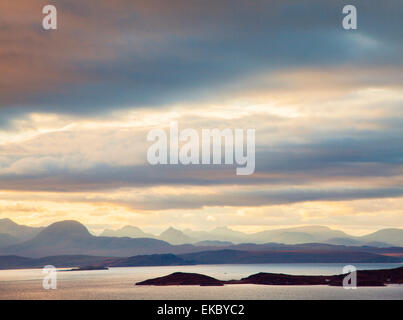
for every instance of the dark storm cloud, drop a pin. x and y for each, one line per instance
(370, 154)
(150, 53)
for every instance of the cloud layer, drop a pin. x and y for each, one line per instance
(76, 105)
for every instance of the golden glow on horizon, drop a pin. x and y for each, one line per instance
(346, 216)
(278, 116)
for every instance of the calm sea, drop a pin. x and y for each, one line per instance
(118, 283)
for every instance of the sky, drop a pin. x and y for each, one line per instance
(76, 105)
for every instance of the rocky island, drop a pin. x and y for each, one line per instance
(183, 279)
(375, 278)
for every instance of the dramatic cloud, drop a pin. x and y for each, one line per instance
(136, 53)
(76, 105)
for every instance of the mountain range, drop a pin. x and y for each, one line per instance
(73, 238)
(236, 255)
(127, 231)
(297, 235)
(13, 233)
(70, 244)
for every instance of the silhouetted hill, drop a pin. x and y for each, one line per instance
(252, 257)
(343, 241)
(314, 253)
(6, 240)
(16, 262)
(182, 279)
(299, 235)
(227, 234)
(72, 238)
(148, 260)
(312, 248)
(19, 232)
(127, 231)
(68, 229)
(364, 278)
(286, 235)
(392, 236)
(212, 243)
(245, 257)
(175, 236)
(296, 235)
(359, 242)
(218, 234)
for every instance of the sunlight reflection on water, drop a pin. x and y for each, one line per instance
(119, 283)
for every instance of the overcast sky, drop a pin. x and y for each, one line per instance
(76, 105)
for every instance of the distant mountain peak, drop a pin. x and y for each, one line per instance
(226, 231)
(175, 236)
(127, 231)
(20, 232)
(7, 221)
(393, 236)
(171, 230)
(130, 228)
(70, 228)
(387, 230)
(312, 228)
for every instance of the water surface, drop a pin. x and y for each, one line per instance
(118, 283)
